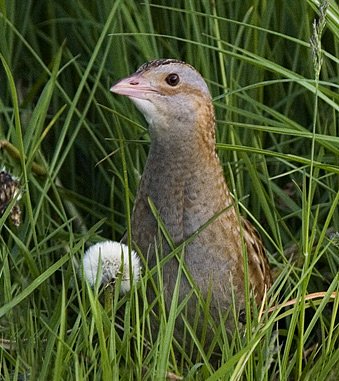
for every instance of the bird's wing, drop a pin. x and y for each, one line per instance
(260, 274)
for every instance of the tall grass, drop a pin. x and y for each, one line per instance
(79, 153)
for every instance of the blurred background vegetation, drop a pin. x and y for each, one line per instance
(79, 151)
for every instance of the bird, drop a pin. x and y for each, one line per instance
(10, 189)
(184, 181)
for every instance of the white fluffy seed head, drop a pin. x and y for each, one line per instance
(114, 260)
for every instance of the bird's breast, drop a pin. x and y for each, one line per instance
(186, 196)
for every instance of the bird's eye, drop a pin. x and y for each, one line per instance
(172, 79)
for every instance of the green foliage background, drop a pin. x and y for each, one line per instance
(79, 152)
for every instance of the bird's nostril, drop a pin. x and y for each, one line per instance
(134, 83)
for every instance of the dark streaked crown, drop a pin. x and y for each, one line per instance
(160, 62)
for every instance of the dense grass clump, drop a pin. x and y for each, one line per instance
(79, 152)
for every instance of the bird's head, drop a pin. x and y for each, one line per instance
(169, 93)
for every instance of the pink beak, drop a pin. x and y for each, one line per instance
(134, 86)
